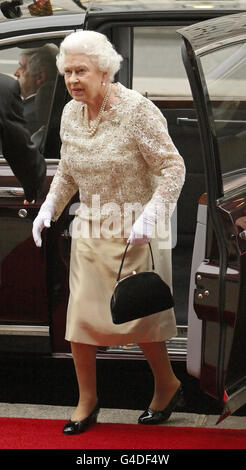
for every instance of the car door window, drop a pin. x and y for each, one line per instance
(34, 67)
(158, 69)
(225, 72)
(159, 74)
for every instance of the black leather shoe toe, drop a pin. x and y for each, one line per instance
(77, 427)
(157, 417)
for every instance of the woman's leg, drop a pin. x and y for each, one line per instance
(84, 357)
(165, 381)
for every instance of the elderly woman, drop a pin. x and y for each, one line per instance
(114, 142)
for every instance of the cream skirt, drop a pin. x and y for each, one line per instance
(94, 267)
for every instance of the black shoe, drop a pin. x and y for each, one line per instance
(76, 427)
(157, 417)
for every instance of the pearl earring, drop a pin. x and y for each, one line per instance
(103, 83)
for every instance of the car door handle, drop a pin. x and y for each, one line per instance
(183, 121)
(243, 235)
(11, 192)
(66, 234)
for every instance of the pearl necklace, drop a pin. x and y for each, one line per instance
(92, 130)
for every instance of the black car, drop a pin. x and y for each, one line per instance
(190, 62)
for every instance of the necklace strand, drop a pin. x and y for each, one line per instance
(92, 130)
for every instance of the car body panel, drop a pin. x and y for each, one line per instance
(219, 295)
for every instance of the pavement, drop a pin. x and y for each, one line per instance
(106, 415)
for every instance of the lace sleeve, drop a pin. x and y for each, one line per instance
(63, 186)
(159, 151)
(62, 189)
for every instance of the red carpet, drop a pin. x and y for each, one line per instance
(19, 433)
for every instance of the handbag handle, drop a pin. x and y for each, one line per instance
(124, 255)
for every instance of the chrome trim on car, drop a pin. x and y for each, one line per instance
(11, 192)
(49, 161)
(176, 346)
(177, 350)
(24, 330)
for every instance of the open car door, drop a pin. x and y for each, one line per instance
(214, 54)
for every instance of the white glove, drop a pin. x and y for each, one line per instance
(142, 229)
(43, 220)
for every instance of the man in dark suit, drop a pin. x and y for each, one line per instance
(36, 74)
(26, 162)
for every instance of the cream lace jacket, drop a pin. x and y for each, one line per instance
(120, 162)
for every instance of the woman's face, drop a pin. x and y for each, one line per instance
(83, 79)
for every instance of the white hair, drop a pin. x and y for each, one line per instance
(96, 45)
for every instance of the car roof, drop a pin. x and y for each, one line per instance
(58, 8)
(71, 13)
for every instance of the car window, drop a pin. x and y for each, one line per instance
(158, 69)
(34, 68)
(225, 74)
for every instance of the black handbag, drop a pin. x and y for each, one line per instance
(139, 295)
